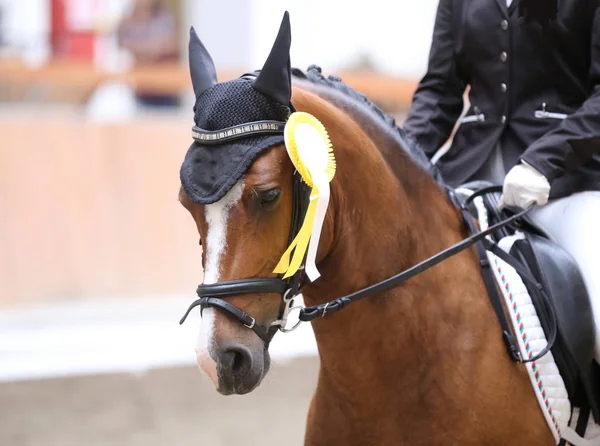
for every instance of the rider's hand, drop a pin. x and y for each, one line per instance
(524, 186)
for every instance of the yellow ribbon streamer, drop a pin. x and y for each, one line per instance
(309, 148)
(300, 243)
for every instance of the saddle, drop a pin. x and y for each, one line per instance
(565, 295)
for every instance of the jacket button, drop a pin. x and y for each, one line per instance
(504, 25)
(503, 119)
(503, 87)
(503, 56)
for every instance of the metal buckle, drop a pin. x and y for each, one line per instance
(252, 324)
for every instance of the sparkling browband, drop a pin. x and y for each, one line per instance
(236, 132)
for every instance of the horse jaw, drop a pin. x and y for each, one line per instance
(217, 217)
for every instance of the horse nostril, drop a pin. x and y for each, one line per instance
(239, 368)
(239, 360)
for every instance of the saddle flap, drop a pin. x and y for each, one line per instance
(558, 272)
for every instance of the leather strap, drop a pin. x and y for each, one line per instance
(233, 288)
(512, 346)
(526, 276)
(244, 286)
(582, 422)
(233, 311)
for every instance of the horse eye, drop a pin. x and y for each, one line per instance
(269, 197)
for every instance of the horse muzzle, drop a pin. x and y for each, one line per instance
(240, 369)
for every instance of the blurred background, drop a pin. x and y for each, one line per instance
(97, 258)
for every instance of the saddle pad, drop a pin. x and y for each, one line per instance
(547, 383)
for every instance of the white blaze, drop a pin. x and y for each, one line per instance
(217, 217)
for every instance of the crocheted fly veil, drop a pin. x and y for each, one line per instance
(235, 120)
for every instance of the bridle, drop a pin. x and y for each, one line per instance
(211, 295)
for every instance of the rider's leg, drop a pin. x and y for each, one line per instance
(574, 224)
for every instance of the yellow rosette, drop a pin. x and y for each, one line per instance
(309, 148)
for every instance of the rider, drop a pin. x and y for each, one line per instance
(533, 125)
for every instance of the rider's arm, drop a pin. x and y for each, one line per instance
(578, 136)
(438, 100)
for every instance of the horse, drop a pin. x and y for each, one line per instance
(421, 363)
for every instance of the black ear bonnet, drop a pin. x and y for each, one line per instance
(235, 120)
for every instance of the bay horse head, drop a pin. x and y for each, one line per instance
(241, 189)
(248, 201)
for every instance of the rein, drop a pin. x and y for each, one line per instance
(310, 313)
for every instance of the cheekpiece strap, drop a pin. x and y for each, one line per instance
(237, 132)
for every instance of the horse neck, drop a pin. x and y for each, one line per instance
(428, 349)
(387, 215)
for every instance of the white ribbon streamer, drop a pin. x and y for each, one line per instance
(321, 183)
(314, 154)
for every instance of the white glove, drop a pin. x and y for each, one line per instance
(524, 186)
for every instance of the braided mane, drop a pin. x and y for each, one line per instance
(314, 75)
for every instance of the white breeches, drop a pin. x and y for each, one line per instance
(573, 223)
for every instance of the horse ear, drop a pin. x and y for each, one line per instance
(275, 78)
(202, 67)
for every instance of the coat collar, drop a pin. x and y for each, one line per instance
(506, 11)
(503, 8)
